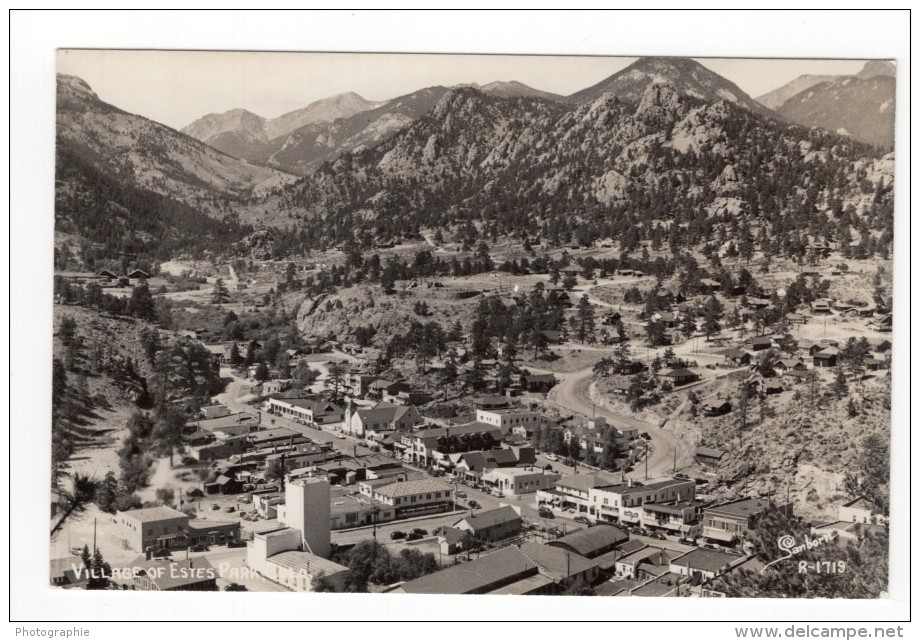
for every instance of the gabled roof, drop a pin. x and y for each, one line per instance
(707, 560)
(709, 452)
(680, 372)
(556, 563)
(489, 571)
(490, 518)
(590, 541)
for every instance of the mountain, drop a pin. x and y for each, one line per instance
(309, 146)
(875, 68)
(325, 110)
(234, 132)
(152, 156)
(515, 89)
(861, 106)
(777, 97)
(659, 160)
(684, 75)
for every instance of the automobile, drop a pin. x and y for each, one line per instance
(230, 508)
(200, 547)
(215, 507)
(682, 477)
(162, 553)
(243, 498)
(571, 510)
(236, 543)
(473, 504)
(646, 436)
(659, 536)
(548, 467)
(687, 541)
(583, 519)
(414, 536)
(418, 530)
(340, 435)
(461, 495)
(546, 513)
(397, 535)
(498, 494)
(552, 457)
(236, 587)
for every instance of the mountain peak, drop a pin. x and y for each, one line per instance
(686, 76)
(74, 87)
(875, 68)
(324, 110)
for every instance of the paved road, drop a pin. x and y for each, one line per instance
(572, 394)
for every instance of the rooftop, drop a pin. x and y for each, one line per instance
(394, 489)
(556, 562)
(490, 518)
(590, 541)
(306, 562)
(505, 566)
(707, 560)
(160, 513)
(741, 508)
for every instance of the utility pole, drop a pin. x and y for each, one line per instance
(646, 460)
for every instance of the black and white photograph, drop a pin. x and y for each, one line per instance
(402, 324)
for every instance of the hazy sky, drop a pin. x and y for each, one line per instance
(177, 87)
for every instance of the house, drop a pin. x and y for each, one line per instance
(537, 382)
(708, 457)
(821, 307)
(168, 575)
(410, 498)
(152, 528)
(736, 357)
(704, 563)
(471, 465)
(681, 376)
(622, 502)
(680, 518)
(729, 522)
(492, 525)
(223, 484)
(796, 319)
(553, 337)
(859, 510)
(646, 564)
(216, 410)
(386, 390)
(380, 419)
(427, 447)
(491, 401)
(759, 343)
(309, 410)
(139, 274)
(573, 492)
(874, 364)
(827, 357)
(516, 481)
(245, 421)
(220, 352)
(708, 285)
(881, 324)
(784, 365)
(360, 383)
(592, 542)
(69, 572)
(207, 532)
(716, 407)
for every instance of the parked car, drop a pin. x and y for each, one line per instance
(162, 553)
(215, 507)
(546, 513)
(659, 536)
(682, 477)
(230, 508)
(397, 535)
(552, 457)
(244, 498)
(418, 530)
(414, 536)
(473, 504)
(687, 541)
(236, 587)
(200, 547)
(583, 519)
(461, 495)
(236, 543)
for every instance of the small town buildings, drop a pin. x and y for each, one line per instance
(427, 447)
(207, 532)
(216, 410)
(784, 365)
(760, 343)
(152, 528)
(560, 565)
(510, 418)
(410, 498)
(492, 525)
(572, 492)
(859, 510)
(827, 357)
(592, 542)
(729, 522)
(516, 481)
(704, 563)
(623, 502)
(244, 421)
(69, 572)
(736, 357)
(716, 407)
(309, 410)
(796, 319)
(505, 569)
(168, 575)
(537, 382)
(278, 556)
(681, 376)
(383, 418)
(138, 274)
(681, 518)
(708, 457)
(822, 307)
(646, 563)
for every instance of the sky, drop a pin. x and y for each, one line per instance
(178, 87)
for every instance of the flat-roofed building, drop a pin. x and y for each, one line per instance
(416, 497)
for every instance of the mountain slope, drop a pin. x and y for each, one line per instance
(662, 165)
(324, 110)
(308, 147)
(515, 89)
(862, 108)
(777, 97)
(687, 76)
(234, 132)
(150, 155)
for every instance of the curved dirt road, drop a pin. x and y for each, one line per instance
(572, 394)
